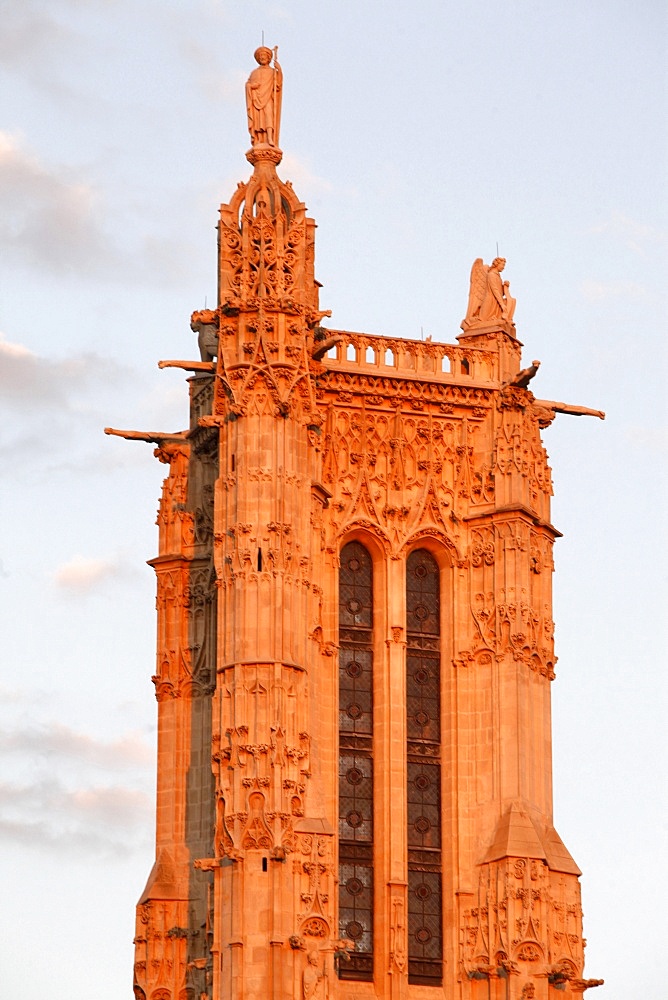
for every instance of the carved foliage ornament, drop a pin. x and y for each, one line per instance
(370, 458)
(519, 451)
(516, 628)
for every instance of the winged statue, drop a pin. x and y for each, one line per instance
(489, 296)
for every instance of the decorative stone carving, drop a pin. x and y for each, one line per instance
(489, 296)
(398, 936)
(205, 323)
(264, 89)
(312, 978)
(520, 909)
(315, 927)
(257, 834)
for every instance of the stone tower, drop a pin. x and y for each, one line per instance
(355, 647)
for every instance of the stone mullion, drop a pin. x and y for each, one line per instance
(391, 853)
(453, 586)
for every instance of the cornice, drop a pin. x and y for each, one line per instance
(509, 512)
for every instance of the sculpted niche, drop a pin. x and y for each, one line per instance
(264, 89)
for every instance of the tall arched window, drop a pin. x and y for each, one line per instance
(423, 759)
(355, 759)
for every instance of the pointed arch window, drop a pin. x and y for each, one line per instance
(423, 760)
(355, 759)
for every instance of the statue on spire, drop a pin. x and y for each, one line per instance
(490, 300)
(263, 98)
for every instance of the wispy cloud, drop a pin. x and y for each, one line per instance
(40, 41)
(53, 740)
(217, 80)
(81, 575)
(652, 439)
(28, 31)
(39, 381)
(110, 805)
(638, 237)
(298, 171)
(57, 799)
(597, 291)
(48, 218)
(55, 220)
(47, 814)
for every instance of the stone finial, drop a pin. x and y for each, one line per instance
(264, 89)
(490, 301)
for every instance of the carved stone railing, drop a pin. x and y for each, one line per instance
(410, 358)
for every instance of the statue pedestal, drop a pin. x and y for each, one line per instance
(498, 326)
(264, 153)
(498, 336)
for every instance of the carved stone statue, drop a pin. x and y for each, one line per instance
(489, 295)
(312, 978)
(263, 98)
(204, 323)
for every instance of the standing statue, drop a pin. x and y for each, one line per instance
(312, 978)
(489, 295)
(263, 98)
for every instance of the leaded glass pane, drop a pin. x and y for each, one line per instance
(422, 594)
(425, 946)
(355, 905)
(355, 690)
(355, 593)
(423, 703)
(355, 797)
(424, 805)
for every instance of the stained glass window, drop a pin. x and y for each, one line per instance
(355, 760)
(423, 753)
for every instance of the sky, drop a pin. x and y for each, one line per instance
(421, 136)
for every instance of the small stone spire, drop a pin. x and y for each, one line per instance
(266, 240)
(265, 327)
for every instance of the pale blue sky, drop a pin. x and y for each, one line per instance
(419, 136)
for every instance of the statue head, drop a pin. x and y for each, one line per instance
(263, 55)
(499, 263)
(312, 958)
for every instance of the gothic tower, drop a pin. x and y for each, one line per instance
(355, 646)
